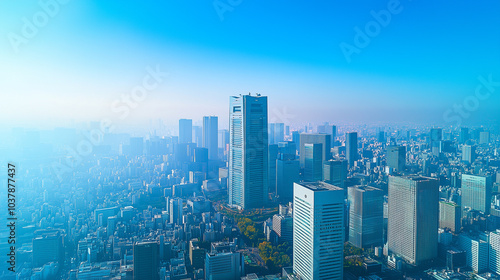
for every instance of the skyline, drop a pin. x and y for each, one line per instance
(87, 55)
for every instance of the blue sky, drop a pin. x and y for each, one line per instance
(427, 58)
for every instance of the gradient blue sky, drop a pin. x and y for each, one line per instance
(425, 60)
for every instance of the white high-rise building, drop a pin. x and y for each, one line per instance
(224, 266)
(494, 251)
(413, 218)
(248, 152)
(476, 249)
(476, 192)
(318, 231)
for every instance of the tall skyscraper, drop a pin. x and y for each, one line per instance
(276, 133)
(175, 211)
(335, 172)
(248, 155)
(47, 247)
(484, 137)
(146, 261)
(351, 147)
(476, 192)
(313, 168)
(468, 153)
(287, 173)
(210, 136)
(318, 231)
(436, 135)
(198, 135)
(464, 135)
(450, 216)
(272, 157)
(494, 249)
(323, 139)
(185, 131)
(366, 216)
(413, 218)
(396, 157)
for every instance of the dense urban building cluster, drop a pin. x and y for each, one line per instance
(261, 200)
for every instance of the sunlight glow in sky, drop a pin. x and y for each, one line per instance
(83, 56)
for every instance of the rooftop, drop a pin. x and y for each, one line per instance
(320, 186)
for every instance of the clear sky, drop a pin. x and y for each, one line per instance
(72, 61)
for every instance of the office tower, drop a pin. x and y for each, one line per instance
(351, 147)
(272, 156)
(287, 150)
(224, 266)
(185, 131)
(313, 154)
(296, 139)
(476, 248)
(323, 139)
(248, 162)
(318, 235)
(196, 254)
(198, 136)
(287, 173)
(146, 261)
(276, 133)
(175, 211)
(335, 172)
(283, 226)
(381, 136)
(396, 157)
(476, 192)
(136, 146)
(47, 247)
(464, 135)
(413, 218)
(484, 137)
(468, 153)
(494, 249)
(450, 216)
(436, 135)
(210, 136)
(366, 216)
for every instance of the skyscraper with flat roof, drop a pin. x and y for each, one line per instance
(185, 131)
(450, 216)
(413, 218)
(396, 157)
(335, 172)
(351, 147)
(146, 261)
(210, 136)
(248, 155)
(313, 169)
(317, 138)
(318, 231)
(366, 216)
(476, 192)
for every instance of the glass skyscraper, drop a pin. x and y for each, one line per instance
(318, 231)
(185, 131)
(248, 155)
(210, 136)
(366, 216)
(351, 147)
(413, 218)
(476, 192)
